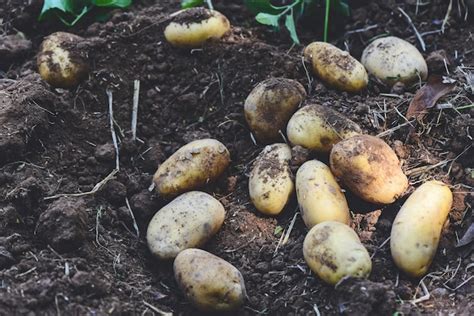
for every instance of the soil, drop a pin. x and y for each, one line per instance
(81, 255)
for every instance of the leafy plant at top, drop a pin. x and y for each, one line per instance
(185, 4)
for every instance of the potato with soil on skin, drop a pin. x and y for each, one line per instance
(319, 196)
(190, 167)
(209, 282)
(318, 128)
(336, 67)
(186, 222)
(333, 250)
(417, 227)
(270, 105)
(270, 182)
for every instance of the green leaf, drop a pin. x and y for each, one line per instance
(186, 4)
(290, 26)
(268, 19)
(278, 230)
(65, 6)
(112, 3)
(263, 6)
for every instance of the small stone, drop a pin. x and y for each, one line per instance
(89, 283)
(436, 62)
(12, 47)
(6, 258)
(299, 155)
(439, 292)
(262, 267)
(398, 88)
(115, 192)
(400, 149)
(105, 152)
(362, 108)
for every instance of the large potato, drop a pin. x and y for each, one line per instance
(333, 250)
(369, 168)
(192, 166)
(318, 128)
(319, 196)
(270, 183)
(186, 222)
(270, 105)
(209, 282)
(392, 59)
(336, 67)
(417, 227)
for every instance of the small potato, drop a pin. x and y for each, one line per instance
(368, 167)
(61, 62)
(417, 227)
(392, 59)
(318, 128)
(270, 182)
(186, 222)
(336, 67)
(209, 282)
(333, 251)
(319, 196)
(190, 167)
(193, 27)
(270, 105)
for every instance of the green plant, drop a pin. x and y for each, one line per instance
(185, 4)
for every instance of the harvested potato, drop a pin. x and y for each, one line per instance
(392, 59)
(333, 250)
(336, 67)
(319, 196)
(209, 282)
(417, 227)
(270, 105)
(369, 168)
(318, 128)
(186, 222)
(193, 27)
(61, 61)
(192, 166)
(270, 182)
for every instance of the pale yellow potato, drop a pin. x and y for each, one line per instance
(188, 221)
(270, 105)
(193, 27)
(333, 251)
(392, 59)
(417, 227)
(318, 128)
(210, 283)
(336, 67)
(190, 167)
(319, 196)
(270, 181)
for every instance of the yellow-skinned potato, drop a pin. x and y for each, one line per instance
(193, 27)
(190, 167)
(270, 182)
(417, 227)
(209, 282)
(336, 67)
(186, 222)
(369, 168)
(333, 250)
(318, 128)
(270, 105)
(319, 196)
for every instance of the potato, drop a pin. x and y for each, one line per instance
(417, 227)
(369, 168)
(336, 67)
(318, 128)
(61, 61)
(190, 167)
(186, 222)
(270, 105)
(270, 182)
(193, 27)
(333, 251)
(209, 282)
(319, 196)
(392, 59)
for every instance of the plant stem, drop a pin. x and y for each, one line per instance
(209, 4)
(326, 20)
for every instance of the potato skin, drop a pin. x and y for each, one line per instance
(319, 196)
(270, 105)
(186, 222)
(417, 227)
(369, 168)
(318, 128)
(191, 166)
(336, 67)
(270, 182)
(209, 282)
(333, 250)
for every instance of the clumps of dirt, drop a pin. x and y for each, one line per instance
(194, 15)
(90, 284)
(12, 48)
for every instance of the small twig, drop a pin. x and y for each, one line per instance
(136, 93)
(316, 310)
(242, 246)
(418, 35)
(393, 129)
(380, 247)
(446, 17)
(310, 80)
(156, 310)
(424, 297)
(460, 285)
(26, 272)
(290, 228)
(133, 217)
(112, 130)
